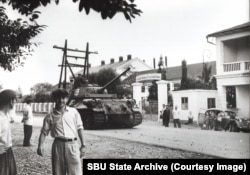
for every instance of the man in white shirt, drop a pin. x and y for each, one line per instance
(65, 125)
(7, 159)
(27, 123)
(176, 117)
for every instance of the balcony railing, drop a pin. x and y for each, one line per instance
(242, 66)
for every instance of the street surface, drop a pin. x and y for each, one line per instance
(150, 140)
(215, 143)
(189, 138)
(97, 147)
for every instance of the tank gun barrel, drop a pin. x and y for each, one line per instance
(114, 79)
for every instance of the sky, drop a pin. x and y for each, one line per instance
(176, 29)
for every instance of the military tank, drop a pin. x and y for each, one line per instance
(98, 109)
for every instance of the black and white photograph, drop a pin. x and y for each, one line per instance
(123, 80)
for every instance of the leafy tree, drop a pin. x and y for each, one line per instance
(28, 98)
(103, 77)
(213, 83)
(42, 97)
(124, 90)
(205, 83)
(92, 78)
(16, 35)
(41, 92)
(41, 88)
(107, 8)
(15, 40)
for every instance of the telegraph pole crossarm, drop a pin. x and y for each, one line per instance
(66, 64)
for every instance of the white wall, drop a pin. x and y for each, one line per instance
(197, 100)
(220, 50)
(243, 100)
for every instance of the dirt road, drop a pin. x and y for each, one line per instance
(98, 146)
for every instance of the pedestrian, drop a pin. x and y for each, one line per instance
(176, 117)
(190, 118)
(7, 159)
(211, 120)
(166, 115)
(161, 115)
(64, 124)
(218, 121)
(232, 123)
(27, 123)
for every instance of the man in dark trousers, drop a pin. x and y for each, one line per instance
(162, 116)
(166, 116)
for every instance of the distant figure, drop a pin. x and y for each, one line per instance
(7, 159)
(176, 117)
(232, 123)
(161, 114)
(80, 81)
(211, 120)
(190, 118)
(217, 121)
(166, 115)
(27, 123)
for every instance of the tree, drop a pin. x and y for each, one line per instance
(27, 98)
(15, 40)
(41, 88)
(153, 92)
(184, 79)
(16, 35)
(206, 73)
(41, 92)
(103, 77)
(107, 8)
(124, 90)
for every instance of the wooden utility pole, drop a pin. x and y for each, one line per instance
(65, 64)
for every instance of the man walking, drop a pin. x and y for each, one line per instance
(7, 160)
(64, 124)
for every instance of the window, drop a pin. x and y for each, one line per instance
(143, 89)
(211, 103)
(184, 103)
(231, 97)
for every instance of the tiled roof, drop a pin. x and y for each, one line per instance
(235, 29)
(175, 73)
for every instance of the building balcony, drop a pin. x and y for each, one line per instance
(236, 67)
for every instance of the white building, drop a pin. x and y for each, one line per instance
(233, 68)
(121, 65)
(194, 100)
